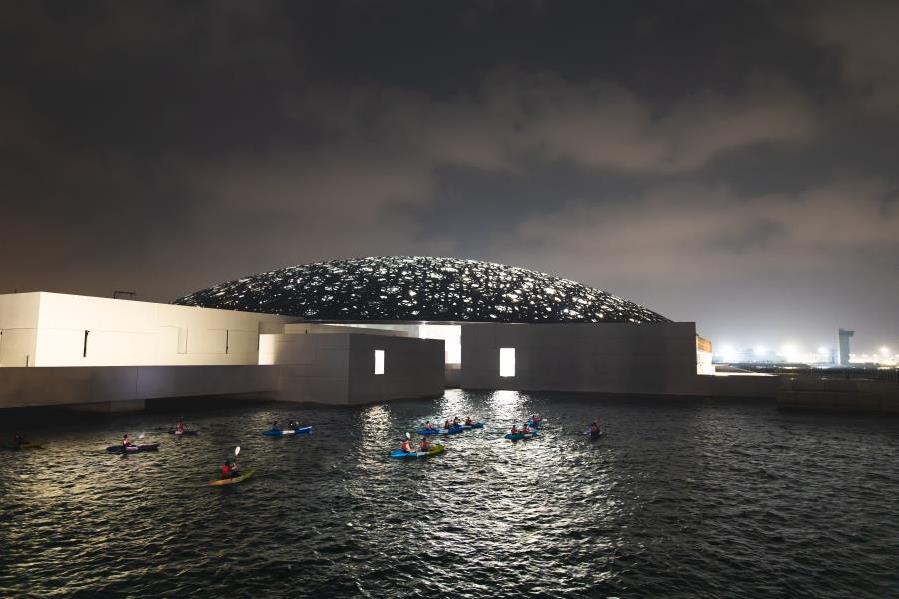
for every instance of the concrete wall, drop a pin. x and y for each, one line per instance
(338, 368)
(73, 330)
(607, 357)
(123, 385)
(413, 368)
(836, 395)
(18, 328)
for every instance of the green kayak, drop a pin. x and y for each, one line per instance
(231, 481)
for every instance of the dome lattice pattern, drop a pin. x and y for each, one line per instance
(419, 289)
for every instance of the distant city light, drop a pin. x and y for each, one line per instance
(790, 351)
(885, 350)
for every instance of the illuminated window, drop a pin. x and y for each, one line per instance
(379, 361)
(507, 361)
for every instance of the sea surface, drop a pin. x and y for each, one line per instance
(677, 499)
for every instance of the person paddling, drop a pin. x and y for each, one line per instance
(406, 446)
(424, 445)
(179, 429)
(226, 470)
(468, 421)
(594, 429)
(126, 442)
(515, 430)
(275, 425)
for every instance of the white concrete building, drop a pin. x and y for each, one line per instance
(351, 332)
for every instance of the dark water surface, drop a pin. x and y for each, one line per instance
(677, 499)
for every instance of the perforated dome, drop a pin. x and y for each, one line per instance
(401, 288)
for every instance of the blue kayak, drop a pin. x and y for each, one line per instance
(520, 436)
(440, 431)
(276, 432)
(401, 455)
(468, 427)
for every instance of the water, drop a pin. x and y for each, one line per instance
(677, 499)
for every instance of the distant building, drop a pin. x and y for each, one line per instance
(844, 336)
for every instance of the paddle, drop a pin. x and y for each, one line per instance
(236, 453)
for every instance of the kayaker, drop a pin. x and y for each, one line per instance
(126, 442)
(447, 425)
(515, 430)
(275, 425)
(18, 441)
(424, 445)
(468, 421)
(406, 446)
(525, 429)
(180, 428)
(456, 421)
(594, 429)
(235, 469)
(226, 470)
(429, 426)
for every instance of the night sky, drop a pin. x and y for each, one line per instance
(732, 163)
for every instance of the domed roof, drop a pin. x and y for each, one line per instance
(404, 288)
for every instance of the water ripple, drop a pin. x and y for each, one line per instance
(677, 499)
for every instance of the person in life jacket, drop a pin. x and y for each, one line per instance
(468, 421)
(227, 472)
(180, 427)
(515, 430)
(424, 444)
(126, 442)
(594, 429)
(406, 446)
(446, 424)
(525, 429)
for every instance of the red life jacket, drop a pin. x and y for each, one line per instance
(226, 470)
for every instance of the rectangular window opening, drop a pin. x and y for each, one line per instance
(507, 361)
(379, 361)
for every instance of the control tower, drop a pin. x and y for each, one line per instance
(844, 336)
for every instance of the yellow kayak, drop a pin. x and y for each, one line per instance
(230, 481)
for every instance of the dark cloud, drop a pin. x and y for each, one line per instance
(697, 157)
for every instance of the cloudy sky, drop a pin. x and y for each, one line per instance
(732, 163)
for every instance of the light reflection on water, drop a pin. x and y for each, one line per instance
(684, 498)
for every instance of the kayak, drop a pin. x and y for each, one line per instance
(231, 481)
(593, 437)
(400, 454)
(440, 431)
(132, 448)
(184, 433)
(287, 431)
(468, 427)
(520, 436)
(23, 447)
(274, 432)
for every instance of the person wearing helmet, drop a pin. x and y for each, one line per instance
(406, 446)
